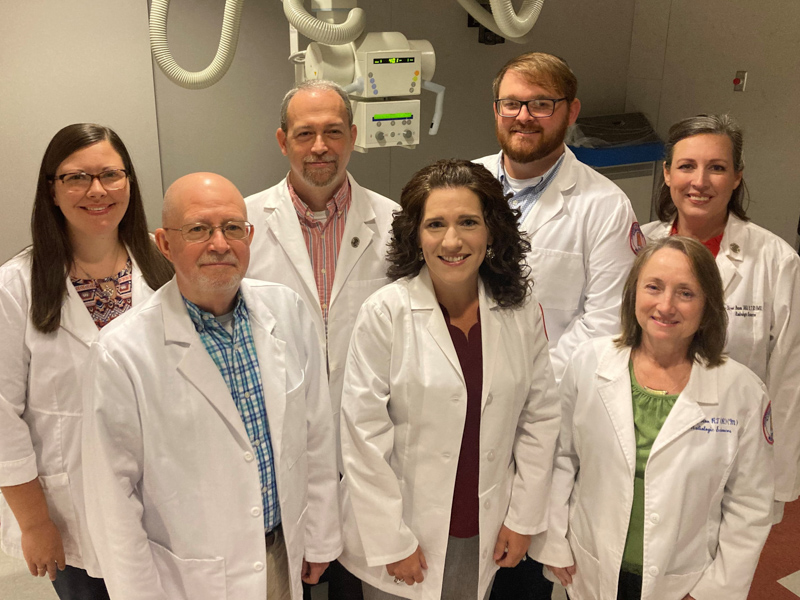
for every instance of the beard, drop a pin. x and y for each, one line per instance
(527, 151)
(221, 281)
(321, 177)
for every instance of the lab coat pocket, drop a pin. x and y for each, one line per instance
(62, 510)
(189, 579)
(586, 581)
(563, 272)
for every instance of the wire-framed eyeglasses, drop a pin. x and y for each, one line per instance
(202, 232)
(80, 182)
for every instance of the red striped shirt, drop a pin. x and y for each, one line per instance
(323, 238)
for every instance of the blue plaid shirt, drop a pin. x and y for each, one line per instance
(525, 199)
(236, 359)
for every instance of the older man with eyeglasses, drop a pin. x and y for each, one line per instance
(583, 231)
(209, 447)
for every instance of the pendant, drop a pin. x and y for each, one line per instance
(108, 288)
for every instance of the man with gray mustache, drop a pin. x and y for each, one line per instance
(209, 446)
(323, 235)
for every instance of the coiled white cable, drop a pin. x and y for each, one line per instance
(504, 20)
(320, 31)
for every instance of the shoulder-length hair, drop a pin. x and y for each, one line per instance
(699, 125)
(52, 250)
(506, 273)
(709, 339)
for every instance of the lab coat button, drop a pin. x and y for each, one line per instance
(248, 456)
(655, 518)
(489, 399)
(485, 553)
(445, 455)
(259, 566)
(653, 571)
(487, 504)
(490, 455)
(255, 511)
(455, 398)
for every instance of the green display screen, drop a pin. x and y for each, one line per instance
(392, 116)
(393, 61)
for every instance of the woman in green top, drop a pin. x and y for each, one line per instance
(663, 480)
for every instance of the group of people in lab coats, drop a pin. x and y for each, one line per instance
(490, 386)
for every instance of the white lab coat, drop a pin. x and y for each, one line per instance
(173, 490)
(403, 412)
(279, 253)
(583, 243)
(41, 382)
(761, 279)
(708, 482)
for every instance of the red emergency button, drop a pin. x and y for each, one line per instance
(737, 81)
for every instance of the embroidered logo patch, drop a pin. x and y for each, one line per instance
(637, 238)
(766, 425)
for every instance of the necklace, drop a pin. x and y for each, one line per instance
(106, 286)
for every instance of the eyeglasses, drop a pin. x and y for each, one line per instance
(541, 108)
(202, 232)
(80, 182)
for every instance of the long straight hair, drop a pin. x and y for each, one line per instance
(52, 252)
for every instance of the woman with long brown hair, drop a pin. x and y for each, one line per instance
(91, 260)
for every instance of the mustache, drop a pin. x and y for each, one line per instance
(527, 130)
(323, 158)
(227, 258)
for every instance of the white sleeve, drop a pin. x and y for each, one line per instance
(367, 441)
(783, 378)
(535, 440)
(112, 467)
(323, 535)
(607, 260)
(746, 515)
(551, 546)
(17, 457)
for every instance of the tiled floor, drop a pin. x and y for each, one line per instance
(16, 583)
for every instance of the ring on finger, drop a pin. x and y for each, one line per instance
(398, 580)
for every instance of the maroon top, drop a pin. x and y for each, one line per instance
(464, 514)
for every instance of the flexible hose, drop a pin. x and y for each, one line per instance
(320, 31)
(510, 24)
(159, 9)
(517, 29)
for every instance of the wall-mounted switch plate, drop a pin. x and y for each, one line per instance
(739, 81)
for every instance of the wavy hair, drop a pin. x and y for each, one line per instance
(700, 125)
(51, 250)
(709, 339)
(506, 273)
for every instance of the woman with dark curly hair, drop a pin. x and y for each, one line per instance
(449, 410)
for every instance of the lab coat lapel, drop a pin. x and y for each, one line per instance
(614, 388)
(551, 201)
(196, 365)
(688, 412)
(490, 339)
(271, 354)
(75, 318)
(280, 218)
(359, 233)
(731, 253)
(423, 297)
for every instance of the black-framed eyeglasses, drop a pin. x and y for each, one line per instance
(78, 181)
(541, 108)
(202, 232)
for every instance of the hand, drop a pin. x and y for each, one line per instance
(564, 574)
(43, 549)
(410, 568)
(510, 547)
(311, 571)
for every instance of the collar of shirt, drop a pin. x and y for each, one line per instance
(524, 200)
(203, 320)
(339, 202)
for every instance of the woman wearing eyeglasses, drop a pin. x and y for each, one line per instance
(91, 260)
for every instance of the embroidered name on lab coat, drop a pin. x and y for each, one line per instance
(745, 310)
(717, 425)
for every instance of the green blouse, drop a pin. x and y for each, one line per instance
(650, 411)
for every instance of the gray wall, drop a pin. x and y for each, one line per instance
(230, 128)
(66, 62)
(684, 55)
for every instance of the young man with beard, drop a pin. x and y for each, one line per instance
(323, 235)
(583, 231)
